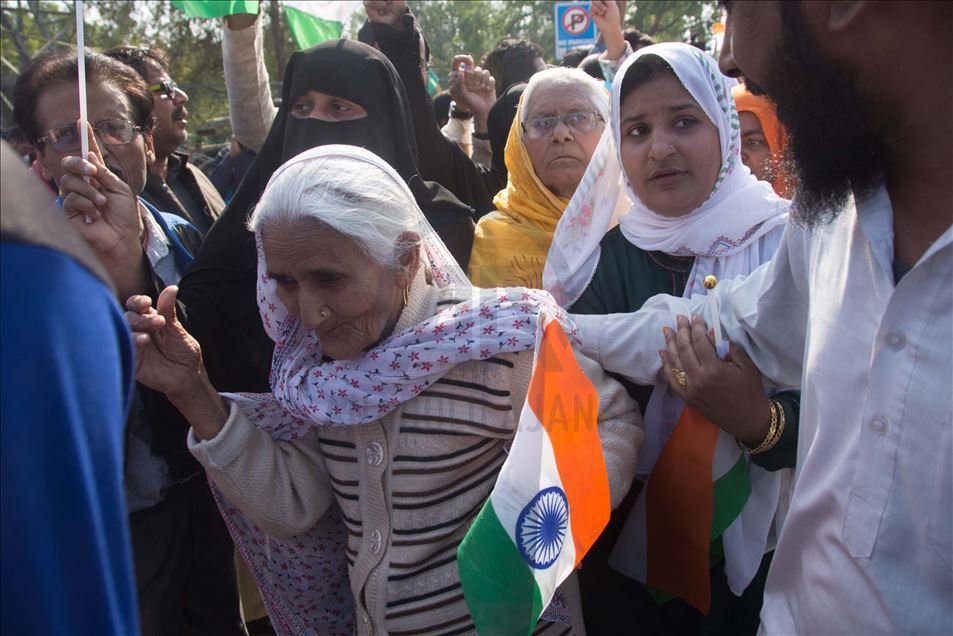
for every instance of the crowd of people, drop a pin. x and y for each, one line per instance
(329, 339)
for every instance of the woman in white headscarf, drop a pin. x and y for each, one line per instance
(665, 202)
(396, 390)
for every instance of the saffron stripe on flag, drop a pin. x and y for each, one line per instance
(567, 405)
(678, 510)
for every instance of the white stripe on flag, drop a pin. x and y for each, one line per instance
(331, 10)
(519, 482)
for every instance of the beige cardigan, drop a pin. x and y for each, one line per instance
(409, 484)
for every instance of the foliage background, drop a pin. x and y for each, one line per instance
(195, 52)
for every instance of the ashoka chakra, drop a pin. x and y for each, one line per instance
(541, 527)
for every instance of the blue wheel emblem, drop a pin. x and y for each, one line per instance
(541, 527)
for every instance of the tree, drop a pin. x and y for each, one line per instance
(464, 26)
(194, 46)
(674, 20)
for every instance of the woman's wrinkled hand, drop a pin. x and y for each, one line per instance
(103, 209)
(729, 393)
(168, 358)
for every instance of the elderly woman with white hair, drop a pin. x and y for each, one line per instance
(558, 124)
(397, 388)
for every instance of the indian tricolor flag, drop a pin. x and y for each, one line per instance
(310, 21)
(696, 490)
(550, 501)
(694, 509)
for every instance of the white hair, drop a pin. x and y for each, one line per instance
(562, 76)
(350, 196)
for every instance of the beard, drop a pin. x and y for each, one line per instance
(835, 143)
(754, 89)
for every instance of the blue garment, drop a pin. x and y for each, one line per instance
(177, 230)
(184, 238)
(227, 172)
(66, 383)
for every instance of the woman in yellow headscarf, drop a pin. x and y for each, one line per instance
(559, 121)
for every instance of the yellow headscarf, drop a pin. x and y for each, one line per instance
(511, 244)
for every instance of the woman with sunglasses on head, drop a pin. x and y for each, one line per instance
(181, 548)
(559, 121)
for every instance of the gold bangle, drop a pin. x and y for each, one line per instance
(774, 431)
(773, 440)
(781, 423)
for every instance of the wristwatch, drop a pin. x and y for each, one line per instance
(459, 114)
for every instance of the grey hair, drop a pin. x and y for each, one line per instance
(561, 76)
(348, 195)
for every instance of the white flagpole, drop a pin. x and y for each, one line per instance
(81, 65)
(721, 346)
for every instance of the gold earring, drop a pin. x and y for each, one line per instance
(406, 295)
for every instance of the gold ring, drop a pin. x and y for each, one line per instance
(681, 377)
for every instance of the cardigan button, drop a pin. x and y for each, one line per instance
(377, 541)
(375, 454)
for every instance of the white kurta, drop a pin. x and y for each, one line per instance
(867, 546)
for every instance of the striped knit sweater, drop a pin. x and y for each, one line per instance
(410, 484)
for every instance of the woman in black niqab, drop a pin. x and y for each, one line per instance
(217, 296)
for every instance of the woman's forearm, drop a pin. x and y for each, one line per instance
(202, 407)
(246, 82)
(281, 485)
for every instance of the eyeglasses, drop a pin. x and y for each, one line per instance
(111, 132)
(167, 86)
(544, 126)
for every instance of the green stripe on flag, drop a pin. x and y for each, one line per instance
(215, 8)
(730, 493)
(308, 30)
(497, 584)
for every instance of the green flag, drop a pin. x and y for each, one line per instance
(215, 8)
(315, 21)
(433, 82)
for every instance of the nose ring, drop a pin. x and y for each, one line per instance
(324, 313)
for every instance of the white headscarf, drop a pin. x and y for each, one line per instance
(304, 580)
(736, 229)
(722, 233)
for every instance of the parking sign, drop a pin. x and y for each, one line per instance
(574, 27)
